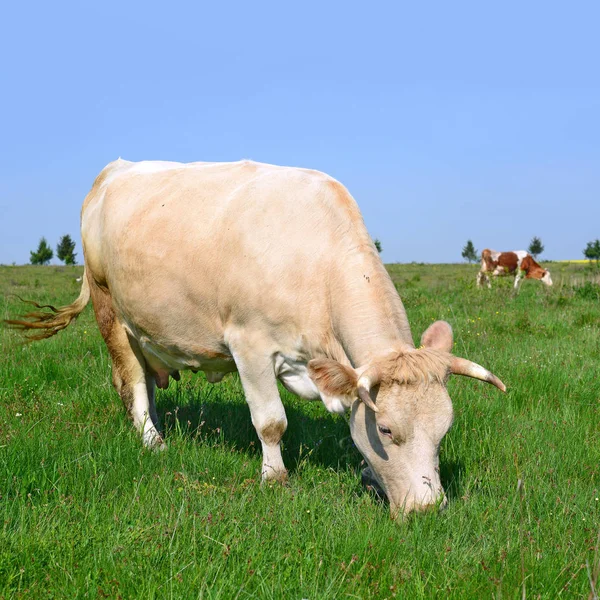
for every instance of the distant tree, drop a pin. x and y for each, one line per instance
(536, 247)
(469, 253)
(378, 245)
(43, 255)
(64, 250)
(592, 251)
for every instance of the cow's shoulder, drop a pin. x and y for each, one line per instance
(521, 254)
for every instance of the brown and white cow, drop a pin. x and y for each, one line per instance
(518, 263)
(268, 271)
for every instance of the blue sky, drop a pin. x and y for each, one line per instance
(446, 121)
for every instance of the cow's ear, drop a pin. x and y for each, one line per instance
(332, 378)
(438, 336)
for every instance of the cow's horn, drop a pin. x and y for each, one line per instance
(370, 378)
(461, 366)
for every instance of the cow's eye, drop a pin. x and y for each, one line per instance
(385, 431)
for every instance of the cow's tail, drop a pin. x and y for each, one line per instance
(48, 320)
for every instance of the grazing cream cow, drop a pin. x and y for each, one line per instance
(518, 263)
(268, 271)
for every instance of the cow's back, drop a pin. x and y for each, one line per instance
(219, 242)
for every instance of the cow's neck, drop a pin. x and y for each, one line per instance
(368, 317)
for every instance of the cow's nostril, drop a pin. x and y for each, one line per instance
(427, 482)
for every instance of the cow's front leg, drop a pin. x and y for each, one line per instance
(482, 278)
(266, 409)
(517, 280)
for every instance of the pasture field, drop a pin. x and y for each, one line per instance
(86, 512)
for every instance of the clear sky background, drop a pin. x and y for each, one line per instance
(446, 121)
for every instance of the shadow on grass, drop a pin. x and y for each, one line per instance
(211, 413)
(322, 439)
(451, 474)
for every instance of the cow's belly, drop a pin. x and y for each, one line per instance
(177, 360)
(164, 360)
(211, 354)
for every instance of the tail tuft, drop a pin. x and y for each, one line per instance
(46, 324)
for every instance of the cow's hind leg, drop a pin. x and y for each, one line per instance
(482, 277)
(266, 409)
(130, 376)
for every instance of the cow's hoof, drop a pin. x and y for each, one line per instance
(154, 441)
(272, 476)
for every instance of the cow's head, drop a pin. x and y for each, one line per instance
(546, 277)
(401, 410)
(538, 273)
(534, 271)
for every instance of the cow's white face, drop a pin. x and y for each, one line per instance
(401, 442)
(546, 278)
(400, 413)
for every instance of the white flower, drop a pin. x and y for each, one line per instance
(18, 415)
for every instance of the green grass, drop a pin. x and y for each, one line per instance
(86, 512)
